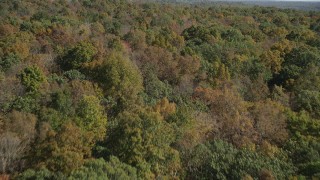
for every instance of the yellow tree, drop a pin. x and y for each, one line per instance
(231, 114)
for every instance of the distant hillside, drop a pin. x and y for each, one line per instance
(309, 5)
(287, 4)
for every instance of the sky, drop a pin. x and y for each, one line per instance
(278, 0)
(297, 0)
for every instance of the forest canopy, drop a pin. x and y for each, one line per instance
(114, 89)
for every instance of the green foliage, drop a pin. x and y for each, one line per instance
(144, 140)
(53, 117)
(101, 169)
(74, 74)
(220, 160)
(40, 174)
(8, 61)
(155, 89)
(113, 27)
(296, 64)
(302, 126)
(309, 101)
(232, 35)
(61, 102)
(305, 155)
(91, 116)
(92, 169)
(81, 53)
(31, 78)
(120, 80)
(27, 103)
(198, 34)
(254, 69)
(115, 44)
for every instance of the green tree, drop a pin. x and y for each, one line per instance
(101, 169)
(31, 78)
(81, 53)
(197, 33)
(309, 101)
(306, 156)
(120, 80)
(144, 139)
(296, 63)
(41, 173)
(92, 169)
(302, 126)
(62, 102)
(220, 160)
(91, 116)
(8, 61)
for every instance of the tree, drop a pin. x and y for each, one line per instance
(168, 39)
(18, 133)
(296, 63)
(220, 160)
(92, 169)
(11, 150)
(305, 155)
(272, 60)
(62, 102)
(101, 169)
(136, 39)
(160, 61)
(63, 150)
(309, 101)
(119, 78)
(91, 117)
(31, 78)
(165, 108)
(270, 121)
(81, 53)
(231, 114)
(166, 65)
(8, 61)
(41, 173)
(144, 139)
(197, 32)
(232, 35)
(302, 126)
(22, 124)
(155, 89)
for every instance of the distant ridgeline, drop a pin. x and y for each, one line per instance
(287, 4)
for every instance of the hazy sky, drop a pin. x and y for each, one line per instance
(276, 0)
(290, 0)
(282, 0)
(298, 0)
(270, 0)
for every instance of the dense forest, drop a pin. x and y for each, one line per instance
(114, 89)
